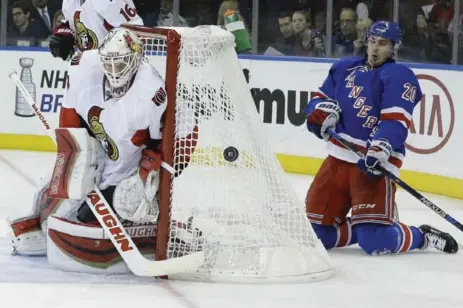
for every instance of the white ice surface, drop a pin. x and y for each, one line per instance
(418, 279)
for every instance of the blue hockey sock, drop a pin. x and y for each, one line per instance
(411, 237)
(332, 237)
(377, 239)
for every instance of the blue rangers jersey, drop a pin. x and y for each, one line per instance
(376, 103)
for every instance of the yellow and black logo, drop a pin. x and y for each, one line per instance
(98, 130)
(86, 39)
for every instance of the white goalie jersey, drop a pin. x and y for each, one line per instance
(117, 160)
(92, 19)
(121, 125)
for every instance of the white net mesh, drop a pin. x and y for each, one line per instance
(234, 190)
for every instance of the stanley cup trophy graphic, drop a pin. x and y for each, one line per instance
(22, 108)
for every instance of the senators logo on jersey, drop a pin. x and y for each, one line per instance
(98, 130)
(85, 38)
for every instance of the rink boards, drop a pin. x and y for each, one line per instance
(280, 87)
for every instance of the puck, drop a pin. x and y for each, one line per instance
(230, 154)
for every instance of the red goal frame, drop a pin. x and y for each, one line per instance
(172, 39)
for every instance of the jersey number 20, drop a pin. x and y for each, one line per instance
(410, 92)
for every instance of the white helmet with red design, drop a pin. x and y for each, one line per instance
(121, 54)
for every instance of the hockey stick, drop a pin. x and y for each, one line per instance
(108, 220)
(399, 182)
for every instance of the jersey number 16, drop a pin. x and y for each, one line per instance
(128, 12)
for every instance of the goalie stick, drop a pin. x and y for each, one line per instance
(399, 182)
(112, 226)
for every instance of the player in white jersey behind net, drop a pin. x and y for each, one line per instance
(87, 22)
(110, 129)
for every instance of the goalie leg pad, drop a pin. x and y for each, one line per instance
(85, 247)
(27, 237)
(135, 198)
(39, 202)
(79, 164)
(27, 232)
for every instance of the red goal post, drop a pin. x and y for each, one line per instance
(172, 41)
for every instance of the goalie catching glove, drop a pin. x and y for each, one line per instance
(135, 198)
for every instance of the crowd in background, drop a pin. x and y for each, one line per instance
(289, 27)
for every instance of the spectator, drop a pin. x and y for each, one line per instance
(426, 44)
(360, 7)
(320, 23)
(41, 12)
(319, 34)
(224, 7)
(166, 15)
(441, 14)
(200, 13)
(407, 16)
(24, 27)
(285, 40)
(440, 17)
(420, 41)
(229, 6)
(148, 10)
(303, 43)
(452, 22)
(344, 41)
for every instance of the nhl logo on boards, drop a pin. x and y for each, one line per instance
(230, 154)
(433, 117)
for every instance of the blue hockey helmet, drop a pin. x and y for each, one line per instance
(387, 30)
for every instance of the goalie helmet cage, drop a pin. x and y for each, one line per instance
(232, 200)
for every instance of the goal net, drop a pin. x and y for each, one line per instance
(229, 196)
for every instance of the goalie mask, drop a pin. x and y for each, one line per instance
(121, 54)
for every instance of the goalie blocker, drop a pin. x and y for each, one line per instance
(53, 229)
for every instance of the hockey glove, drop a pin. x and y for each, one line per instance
(135, 197)
(378, 152)
(62, 42)
(322, 115)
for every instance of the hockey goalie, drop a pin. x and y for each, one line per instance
(109, 136)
